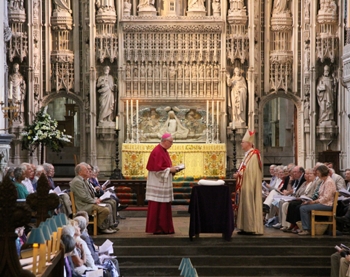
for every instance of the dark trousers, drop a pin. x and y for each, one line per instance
(293, 214)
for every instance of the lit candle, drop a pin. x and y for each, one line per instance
(137, 120)
(217, 113)
(116, 123)
(132, 119)
(233, 125)
(35, 257)
(127, 113)
(207, 113)
(212, 112)
(11, 88)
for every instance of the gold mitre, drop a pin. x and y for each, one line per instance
(249, 136)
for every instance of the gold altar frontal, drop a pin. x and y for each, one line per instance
(201, 160)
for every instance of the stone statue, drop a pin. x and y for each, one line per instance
(238, 96)
(280, 6)
(17, 91)
(195, 4)
(62, 5)
(173, 126)
(216, 7)
(145, 5)
(306, 111)
(106, 87)
(127, 8)
(325, 96)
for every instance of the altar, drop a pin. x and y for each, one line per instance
(201, 160)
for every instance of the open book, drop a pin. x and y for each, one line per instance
(344, 192)
(180, 167)
(105, 184)
(305, 198)
(106, 195)
(57, 190)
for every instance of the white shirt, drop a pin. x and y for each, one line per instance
(28, 184)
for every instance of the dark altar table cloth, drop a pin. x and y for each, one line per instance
(211, 211)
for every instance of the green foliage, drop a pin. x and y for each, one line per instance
(44, 131)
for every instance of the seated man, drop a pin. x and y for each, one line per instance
(85, 199)
(65, 203)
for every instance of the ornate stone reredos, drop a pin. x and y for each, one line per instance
(197, 28)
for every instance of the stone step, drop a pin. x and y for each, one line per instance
(241, 260)
(234, 271)
(212, 251)
(242, 256)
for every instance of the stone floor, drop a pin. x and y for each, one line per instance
(135, 222)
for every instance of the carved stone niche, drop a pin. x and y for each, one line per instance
(327, 133)
(106, 133)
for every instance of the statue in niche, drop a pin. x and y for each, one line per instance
(17, 91)
(164, 69)
(105, 5)
(326, 87)
(127, 8)
(106, 87)
(173, 126)
(62, 5)
(172, 72)
(195, 5)
(156, 71)
(142, 71)
(216, 7)
(238, 95)
(280, 6)
(179, 70)
(187, 71)
(201, 71)
(216, 71)
(16, 5)
(307, 58)
(146, 5)
(208, 72)
(307, 110)
(149, 71)
(136, 72)
(194, 71)
(128, 71)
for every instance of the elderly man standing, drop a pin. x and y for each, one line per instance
(159, 188)
(248, 189)
(85, 198)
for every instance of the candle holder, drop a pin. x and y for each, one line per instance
(234, 153)
(11, 112)
(117, 173)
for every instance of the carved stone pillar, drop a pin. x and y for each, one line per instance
(62, 56)
(18, 44)
(281, 56)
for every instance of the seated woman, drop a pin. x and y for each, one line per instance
(81, 257)
(19, 175)
(110, 263)
(323, 203)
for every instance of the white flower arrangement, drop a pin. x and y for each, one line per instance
(44, 131)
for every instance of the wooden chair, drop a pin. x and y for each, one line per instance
(331, 214)
(93, 216)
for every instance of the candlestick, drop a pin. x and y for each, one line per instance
(132, 119)
(127, 113)
(116, 123)
(137, 121)
(11, 88)
(217, 113)
(207, 113)
(212, 112)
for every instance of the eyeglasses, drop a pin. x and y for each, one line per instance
(171, 141)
